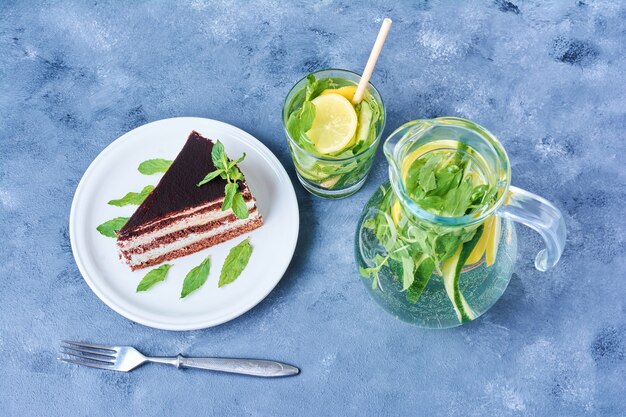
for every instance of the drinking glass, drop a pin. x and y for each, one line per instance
(323, 175)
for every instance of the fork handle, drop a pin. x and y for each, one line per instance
(254, 367)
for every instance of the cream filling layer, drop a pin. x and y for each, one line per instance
(182, 224)
(139, 258)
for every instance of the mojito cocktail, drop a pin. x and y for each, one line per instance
(332, 140)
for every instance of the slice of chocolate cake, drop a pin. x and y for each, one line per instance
(178, 217)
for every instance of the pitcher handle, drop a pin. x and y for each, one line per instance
(543, 217)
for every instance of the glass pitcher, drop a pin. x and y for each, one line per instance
(436, 245)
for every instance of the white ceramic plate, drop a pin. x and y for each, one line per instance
(114, 173)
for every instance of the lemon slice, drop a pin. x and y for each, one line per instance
(347, 91)
(479, 249)
(494, 239)
(488, 243)
(395, 212)
(335, 123)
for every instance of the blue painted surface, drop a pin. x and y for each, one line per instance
(548, 79)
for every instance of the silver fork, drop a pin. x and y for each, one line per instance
(127, 358)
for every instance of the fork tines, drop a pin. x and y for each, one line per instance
(89, 354)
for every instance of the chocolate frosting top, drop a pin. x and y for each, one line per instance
(177, 190)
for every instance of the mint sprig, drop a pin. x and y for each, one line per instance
(227, 169)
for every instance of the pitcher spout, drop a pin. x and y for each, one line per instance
(401, 138)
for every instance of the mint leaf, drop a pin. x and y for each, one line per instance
(458, 199)
(293, 125)
(446, 245)
(152, 166)
(373, 272)
(230, 191)
(311, 86)
(133, 198)
(422, 276)
(210, 176)
(196, 277)
(479, 193)
(307, 116)
(300, 122)
(434, 204)
(239, 206)
(407, 271)
(315, 87)
(109, 228)
(344, 154)
(234, 174)
(411, 180)
(395, 264)
(448, 178)
(232, 164)
(217, 155)
(152, 277)
(365, 272)
(427, 180)
(235, 262)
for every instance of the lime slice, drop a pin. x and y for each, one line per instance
(334, 125)
(347, 91)
(451, 275)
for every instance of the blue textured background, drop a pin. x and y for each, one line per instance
(547, 78)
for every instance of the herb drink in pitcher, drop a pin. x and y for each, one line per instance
(436, 245)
